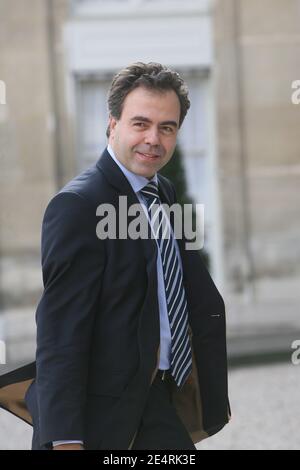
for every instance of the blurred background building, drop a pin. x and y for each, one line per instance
(241, 157)
(240, 142)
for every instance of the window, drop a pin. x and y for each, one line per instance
(92, 120)
(98, 6)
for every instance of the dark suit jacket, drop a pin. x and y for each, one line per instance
(98, 327)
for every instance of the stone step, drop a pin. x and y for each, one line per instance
(18, 331)
(21, 282)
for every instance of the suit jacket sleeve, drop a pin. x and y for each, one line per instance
(73, 262)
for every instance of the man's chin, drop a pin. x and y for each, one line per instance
(147, 175)
(146, 171)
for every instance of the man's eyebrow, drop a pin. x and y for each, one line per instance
(145, 119)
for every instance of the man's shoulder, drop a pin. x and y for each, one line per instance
(89, 185)
(89, 188)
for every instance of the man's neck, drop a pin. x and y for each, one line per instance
(112, 152)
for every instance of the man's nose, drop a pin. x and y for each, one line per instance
(152, 136)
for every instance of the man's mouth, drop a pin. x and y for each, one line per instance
(147, 156)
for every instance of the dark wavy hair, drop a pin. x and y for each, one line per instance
(153, 76)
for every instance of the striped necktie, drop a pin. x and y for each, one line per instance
(181, 354)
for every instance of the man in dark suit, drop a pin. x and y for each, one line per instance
(131, 347)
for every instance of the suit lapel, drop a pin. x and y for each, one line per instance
(118, 180)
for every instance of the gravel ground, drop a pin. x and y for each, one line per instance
(265, 402)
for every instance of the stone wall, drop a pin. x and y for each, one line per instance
(257, 59)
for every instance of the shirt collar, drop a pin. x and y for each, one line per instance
(137, 182)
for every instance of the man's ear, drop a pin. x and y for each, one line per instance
(111, 124)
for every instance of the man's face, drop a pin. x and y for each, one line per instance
(144, 137)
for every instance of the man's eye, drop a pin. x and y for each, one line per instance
(168, 129)
(139, 124)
